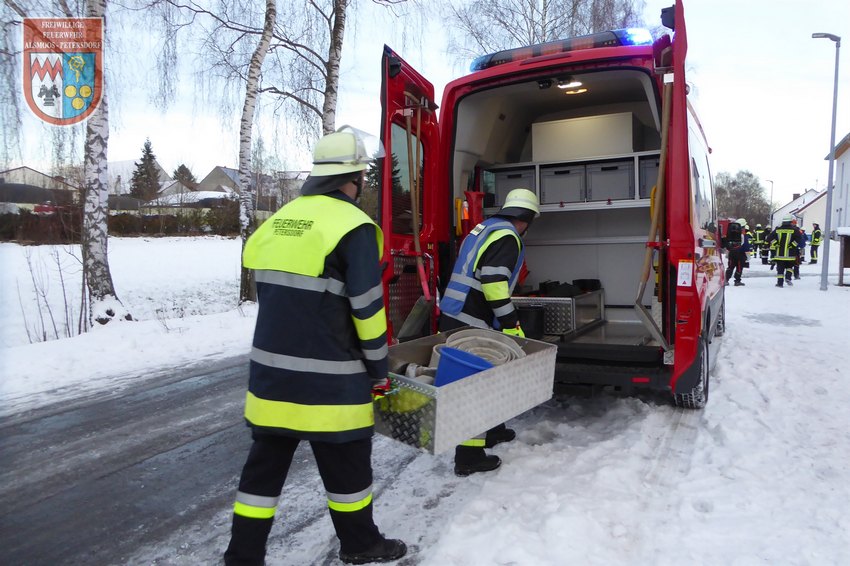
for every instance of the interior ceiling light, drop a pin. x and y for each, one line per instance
(576, 91)
(568, 82)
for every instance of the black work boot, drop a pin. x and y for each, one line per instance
(385, 550)
(247, 541)
(738, 283)
(470, 460)
(497, 435)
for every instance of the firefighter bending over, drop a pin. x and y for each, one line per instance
(320, 346)
(479, 295)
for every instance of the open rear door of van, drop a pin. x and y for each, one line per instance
(685, 322)
(409, 202)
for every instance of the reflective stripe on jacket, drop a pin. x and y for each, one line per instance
(321, 325)
(817, 237)
(786, 239)
(472, 282)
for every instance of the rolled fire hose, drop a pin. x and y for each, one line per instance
(496, 348)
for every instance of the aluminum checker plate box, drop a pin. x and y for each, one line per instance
(564, 315)
(436, 419)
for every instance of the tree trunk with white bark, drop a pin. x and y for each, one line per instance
(247, 289)
(104, 305)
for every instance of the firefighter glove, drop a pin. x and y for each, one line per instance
(514, 331)
(381, 387)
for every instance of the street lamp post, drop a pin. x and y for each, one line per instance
(824, 274)
(770, 206)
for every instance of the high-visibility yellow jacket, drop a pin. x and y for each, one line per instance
(321, 334)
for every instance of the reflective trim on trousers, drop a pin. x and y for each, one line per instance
(348, 502)
(254, 506)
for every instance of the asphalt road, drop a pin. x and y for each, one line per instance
(92, 480)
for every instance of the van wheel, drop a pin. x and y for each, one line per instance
(698, 396)
(720, 329)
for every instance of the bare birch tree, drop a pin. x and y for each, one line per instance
(103, 303)
(485, 26)
(247, 290)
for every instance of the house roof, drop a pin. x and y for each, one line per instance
(121, 174)
(840, 147)
(55, 181)
(810, 203)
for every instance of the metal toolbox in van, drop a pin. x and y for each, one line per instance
(437, 419)
(566, 315)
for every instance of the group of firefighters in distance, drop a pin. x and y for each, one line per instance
(783, 248)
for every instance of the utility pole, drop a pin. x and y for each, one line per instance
(824, 276)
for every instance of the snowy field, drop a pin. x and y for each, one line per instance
(760, 477)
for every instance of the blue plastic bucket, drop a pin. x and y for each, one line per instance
(456, 364)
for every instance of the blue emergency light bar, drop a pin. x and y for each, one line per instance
(615, 38)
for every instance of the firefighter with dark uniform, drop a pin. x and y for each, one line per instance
(479, 295)
(737, 243)
(759, 247)
(319, 352)
(817, 240)
(786, 238)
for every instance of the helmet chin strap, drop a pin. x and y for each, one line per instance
(358, 182)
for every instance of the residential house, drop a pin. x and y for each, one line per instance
(841, 185)
(813, 212)
(25, 187)
(220, 179)
(797, 202)
(120, 175)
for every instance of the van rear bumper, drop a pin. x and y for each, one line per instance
(625, 377)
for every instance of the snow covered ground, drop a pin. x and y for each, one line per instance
(761, 476)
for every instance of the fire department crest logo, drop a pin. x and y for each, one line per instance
(63, 68)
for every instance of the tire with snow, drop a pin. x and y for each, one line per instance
(720, 328)
(697, 397)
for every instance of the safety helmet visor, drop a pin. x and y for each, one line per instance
(345, 151)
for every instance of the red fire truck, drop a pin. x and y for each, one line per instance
(601, 129)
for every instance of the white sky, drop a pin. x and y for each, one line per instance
(763, 88)
(761, 476)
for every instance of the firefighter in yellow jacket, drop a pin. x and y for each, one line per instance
(320, 346)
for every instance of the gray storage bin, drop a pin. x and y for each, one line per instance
(508, 180)
(613, 180)
(562, 184)
(648, 169)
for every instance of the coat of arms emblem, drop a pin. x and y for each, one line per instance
(63, 68)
